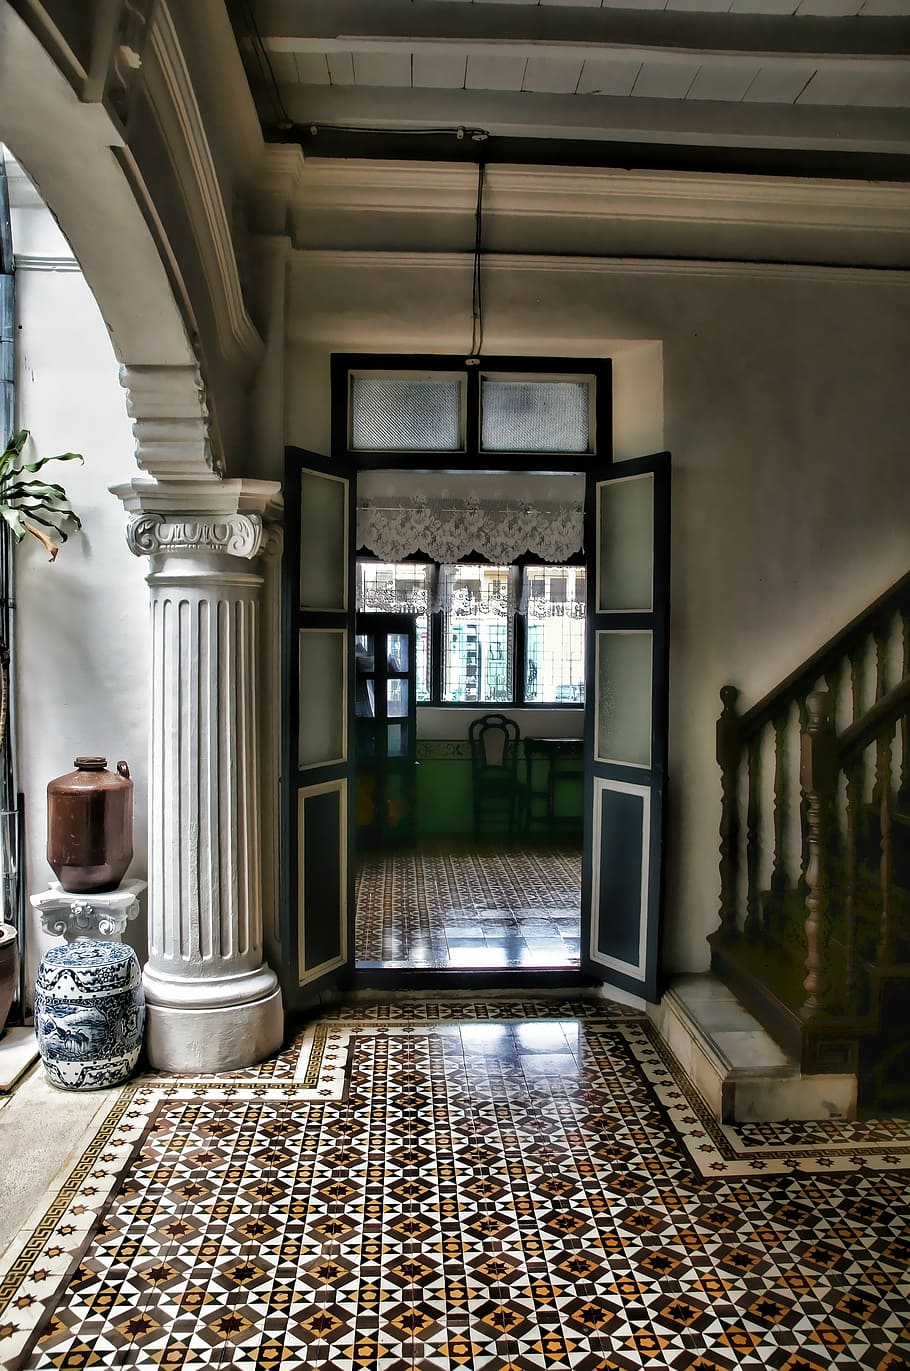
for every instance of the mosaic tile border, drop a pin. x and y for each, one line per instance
(313, 1070)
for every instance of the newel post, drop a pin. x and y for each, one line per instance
(728, 753)
(818, 778)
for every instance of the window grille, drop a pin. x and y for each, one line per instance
(553, 602)
(401, 588)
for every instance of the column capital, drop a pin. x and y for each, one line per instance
(191, 516)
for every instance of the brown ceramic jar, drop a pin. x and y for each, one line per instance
(90, 826)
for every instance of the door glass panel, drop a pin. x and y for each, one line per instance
(625, 544)
(322, 731)
(398, 740)
(623, 728)
(364, 688)
(323, 542)
(398, 652)
(397, 699)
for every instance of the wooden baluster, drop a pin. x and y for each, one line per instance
(801, 883)
(779, 882)
(885, 950)
(753, 925)
(832, 680)
(857, 663)
(903, 794)
(728, 752)
(881, 686)
(881, 663)
(854, 800)
(818, 772)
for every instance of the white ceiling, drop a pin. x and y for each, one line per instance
(813, 79)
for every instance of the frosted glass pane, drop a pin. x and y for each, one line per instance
(624, 698)
(405, 415)
(535, 416)
(625, 543)
(323, 698)
(323, 542)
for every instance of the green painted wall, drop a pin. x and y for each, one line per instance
(444, 793)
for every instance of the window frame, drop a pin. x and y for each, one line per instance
(473, 457)
(436, 628)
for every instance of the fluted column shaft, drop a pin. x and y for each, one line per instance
(213, 1004)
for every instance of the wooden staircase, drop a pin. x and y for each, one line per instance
(814, 935)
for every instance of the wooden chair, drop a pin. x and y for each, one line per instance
(498, 793)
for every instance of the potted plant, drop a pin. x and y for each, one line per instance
(28, 505)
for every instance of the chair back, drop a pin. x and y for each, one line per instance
(494, 743)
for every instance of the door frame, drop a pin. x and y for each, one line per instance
(470, 459)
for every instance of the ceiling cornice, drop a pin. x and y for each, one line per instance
(559, 193)
(378, 262)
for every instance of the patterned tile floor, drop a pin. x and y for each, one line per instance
(509, 1185)
(470, 908)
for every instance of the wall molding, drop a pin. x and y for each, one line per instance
(560, 193)
(539, 264)
(23, 261)
(193, 164)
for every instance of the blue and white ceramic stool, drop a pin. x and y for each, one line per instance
(89, 1013)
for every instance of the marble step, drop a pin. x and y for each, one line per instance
(737, 1068)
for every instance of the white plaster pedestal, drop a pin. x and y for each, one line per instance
(102, 914)
(213, 1004)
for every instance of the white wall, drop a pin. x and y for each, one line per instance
(782, 395)
(82, 623)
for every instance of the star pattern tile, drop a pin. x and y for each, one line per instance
(492, 1185)
(463, 908)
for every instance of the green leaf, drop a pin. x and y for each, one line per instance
(14, 519)
(61, 457)
(17, 442)
(58, 532)
(31, 489)
(16, 491)
(24, 504)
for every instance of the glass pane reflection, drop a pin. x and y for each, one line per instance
(624, 698)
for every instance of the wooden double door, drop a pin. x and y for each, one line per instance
(627, 533)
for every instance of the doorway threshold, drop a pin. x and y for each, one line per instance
(482, 978)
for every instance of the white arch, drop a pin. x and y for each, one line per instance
(78, 159)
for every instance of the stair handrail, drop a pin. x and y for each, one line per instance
(827, 754)
(854, 739)
(826, 658)
(739, 743)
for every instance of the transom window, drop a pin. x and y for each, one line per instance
(519, 408)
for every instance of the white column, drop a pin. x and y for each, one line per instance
(213, 1004)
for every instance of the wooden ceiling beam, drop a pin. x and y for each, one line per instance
(549, 30)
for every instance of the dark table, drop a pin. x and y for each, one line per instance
(548, 760)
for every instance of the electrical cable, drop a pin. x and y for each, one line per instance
(477, 280)
(284, 119)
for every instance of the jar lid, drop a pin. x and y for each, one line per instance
(91, 763)
(91, 966)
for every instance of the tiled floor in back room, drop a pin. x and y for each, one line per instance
(503, 1185)
(451, 907)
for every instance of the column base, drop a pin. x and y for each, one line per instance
(191, 1039)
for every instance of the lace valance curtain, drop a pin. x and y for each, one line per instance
(448, 529)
